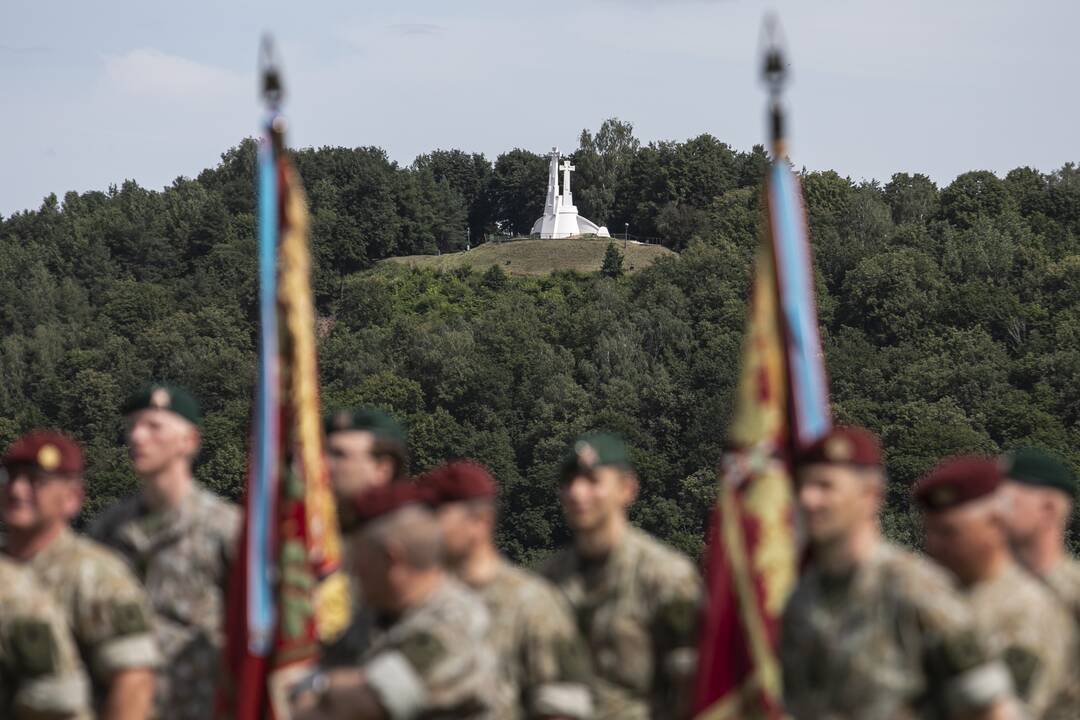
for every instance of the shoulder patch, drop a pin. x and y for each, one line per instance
(962, 651)
(573, 659)
(129, 618)
(34, 647)
(677, 620)
(423, 650)
(1023, 666)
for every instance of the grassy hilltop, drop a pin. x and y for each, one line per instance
(540, 257)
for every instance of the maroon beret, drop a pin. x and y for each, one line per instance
(377, 502)
(957, 481)
(46, 450)
(843, 444)
(457, 481)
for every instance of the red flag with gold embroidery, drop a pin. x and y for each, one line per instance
(782, 403)
(290, 539)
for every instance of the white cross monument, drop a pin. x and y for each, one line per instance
(561, 219)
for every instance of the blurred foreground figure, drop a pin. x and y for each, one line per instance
(542, 662)
(365, 448)
(103, 605)
(873, 632)
(179, 538)
(1040, 490)
(1020, 620)
(40, 672)
(430, 656)
(637, 600)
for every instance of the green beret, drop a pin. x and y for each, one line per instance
(373, 421)
(594, 450)
(1032, 466)
(164, 396)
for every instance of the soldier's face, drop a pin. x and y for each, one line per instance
(464, 526)
(590, 500)
(1025, 511)
(835, 499)
(352, 465)
(32, 500)
(962, 538)
(158, 439)
(456, 524)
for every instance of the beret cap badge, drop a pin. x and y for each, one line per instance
(586, 454)
(839, 449)
(48, 457)
(160, 398)
(943, 496)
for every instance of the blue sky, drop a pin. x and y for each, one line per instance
(96, 93)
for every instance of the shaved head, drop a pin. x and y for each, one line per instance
(411, 534)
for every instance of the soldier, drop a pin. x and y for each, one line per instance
(1039, 490)
(636, 600)
(871, 631)
(178, 537)
(543, 664)
(41, 676)
(430, 656)
(365, 448)
(103, 604)
(1019, 618)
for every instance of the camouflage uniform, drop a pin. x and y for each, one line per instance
(107, 610)
(40, 671)
(543, 663)
(893, 639)
(436, 660)
(1025, 626)
(1064, 581)
(182, 556)
(637, 610)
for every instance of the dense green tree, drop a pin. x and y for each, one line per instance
(602, 160)
(518, 186)
(612, 265)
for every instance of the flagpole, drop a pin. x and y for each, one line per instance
(774, 73)
(262, 612)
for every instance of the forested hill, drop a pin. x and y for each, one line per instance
(951, 316)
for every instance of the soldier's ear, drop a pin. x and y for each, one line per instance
(395, 551)
(74, 498)
(195, 439)
(630, 487)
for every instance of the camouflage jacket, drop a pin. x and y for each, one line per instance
(40, 670)
(436, 660)
(1064, 581)
(637, 610)
(182, 556)
(542, 661)
(1027, 627)
(891, 640)
(105, 607)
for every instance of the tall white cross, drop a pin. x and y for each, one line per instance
(567, 168)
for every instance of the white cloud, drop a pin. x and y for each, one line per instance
(150, 73)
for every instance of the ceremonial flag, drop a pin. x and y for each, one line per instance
(290, 537)
(782, 404)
